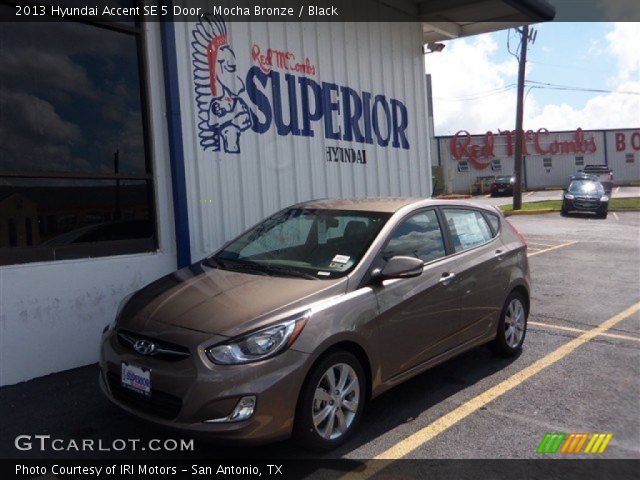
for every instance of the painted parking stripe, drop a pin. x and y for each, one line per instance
(615, 215)
(555, 247)
(419, 438)
(580, 330)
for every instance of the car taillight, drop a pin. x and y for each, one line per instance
(518, 234)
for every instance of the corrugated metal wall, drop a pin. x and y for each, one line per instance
(623, 152)
(228, 192)
(537, 175)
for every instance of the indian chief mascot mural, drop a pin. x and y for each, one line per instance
(223, 111)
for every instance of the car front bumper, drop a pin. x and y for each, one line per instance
(185, 393)
(584, 206)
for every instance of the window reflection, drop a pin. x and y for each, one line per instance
(74, 176)
(69, 99)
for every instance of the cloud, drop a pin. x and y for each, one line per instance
(471, 88)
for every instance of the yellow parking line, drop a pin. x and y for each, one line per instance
(580, 330)
(529, 194)
(414, 441)
(552, 248)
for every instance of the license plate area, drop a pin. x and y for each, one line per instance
(135, 378)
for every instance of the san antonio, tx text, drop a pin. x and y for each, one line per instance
(129, 469)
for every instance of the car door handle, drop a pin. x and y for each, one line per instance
(446, 278)
(498, 254)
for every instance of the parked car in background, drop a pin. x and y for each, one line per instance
(585, 195)
(503, 185)
(294, 325)
(603, 173)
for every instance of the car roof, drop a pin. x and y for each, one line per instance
(385, 204)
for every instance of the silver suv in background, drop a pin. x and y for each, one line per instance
(603, 174)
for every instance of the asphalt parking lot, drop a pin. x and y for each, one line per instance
(585, 272)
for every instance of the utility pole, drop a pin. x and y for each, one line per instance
(517, 159)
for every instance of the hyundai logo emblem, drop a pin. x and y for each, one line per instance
(144, 347)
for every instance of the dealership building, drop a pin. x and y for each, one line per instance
(465, 161)
(129, 150)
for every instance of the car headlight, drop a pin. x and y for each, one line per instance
(568, 196)
(259, 345)
(604, 198)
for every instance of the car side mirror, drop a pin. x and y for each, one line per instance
(400, 267)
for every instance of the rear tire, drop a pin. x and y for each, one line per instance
(331, 402)
(512, 327)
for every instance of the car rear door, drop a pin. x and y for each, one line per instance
(482, 276)
(419, 315)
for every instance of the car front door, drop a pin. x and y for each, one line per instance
(417, 315)
(481, 273)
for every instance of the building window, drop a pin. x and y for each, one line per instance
(579, 161)
(629, 158)
(75, 171)
(547, 162)
(496, 165)
(463, 166)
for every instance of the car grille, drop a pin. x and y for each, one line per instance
(158, 404)
(163, 350)
(585, 202)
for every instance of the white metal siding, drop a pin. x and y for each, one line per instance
(228, 192)
(624, 172)
(562, 165)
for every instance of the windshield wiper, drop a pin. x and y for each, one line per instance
(214, 262)
(288, 271)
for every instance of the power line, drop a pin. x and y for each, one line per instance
(555, 86)
(532, 84)
(482, 94)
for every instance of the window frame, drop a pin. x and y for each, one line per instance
(404, 219)
(32, 254)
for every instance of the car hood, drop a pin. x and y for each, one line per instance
(220, 301)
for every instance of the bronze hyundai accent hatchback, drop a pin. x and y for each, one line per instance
(292, 326)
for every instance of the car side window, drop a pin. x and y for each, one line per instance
(494, 221)
(418, 236)
(468, 228)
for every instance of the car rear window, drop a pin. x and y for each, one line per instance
(468, 228)
(494, 220)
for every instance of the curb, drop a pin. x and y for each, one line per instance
(509, 213)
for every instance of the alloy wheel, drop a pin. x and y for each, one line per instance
(514, 323)
(335, 401)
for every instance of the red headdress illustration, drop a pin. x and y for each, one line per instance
(223, 112)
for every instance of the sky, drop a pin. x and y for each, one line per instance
(474, 79)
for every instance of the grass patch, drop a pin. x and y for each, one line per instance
(632, 203)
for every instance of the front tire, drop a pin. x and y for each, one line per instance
(512, 327)
(331, 402)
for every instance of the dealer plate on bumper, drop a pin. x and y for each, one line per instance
(136, 378)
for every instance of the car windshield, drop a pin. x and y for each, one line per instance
(586, 187)
(503, 179)
(302, 242)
